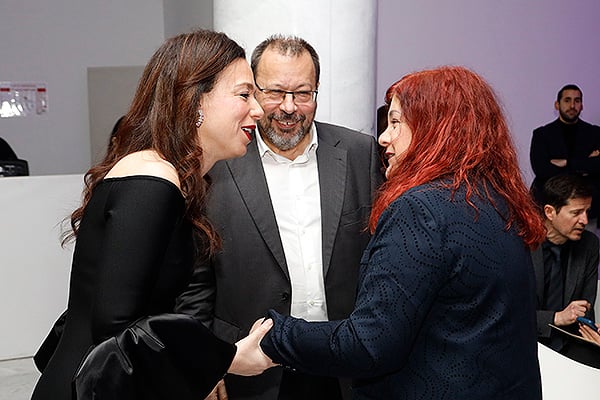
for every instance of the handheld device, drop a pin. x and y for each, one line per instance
(588, 322)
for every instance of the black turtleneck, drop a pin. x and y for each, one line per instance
(569, 132)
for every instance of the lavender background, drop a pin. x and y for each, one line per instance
(527, 50)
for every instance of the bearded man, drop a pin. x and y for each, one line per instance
(292, 215)
(568, 145)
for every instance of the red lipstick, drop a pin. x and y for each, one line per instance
(248, 130)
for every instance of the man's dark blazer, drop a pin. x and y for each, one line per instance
(548, 142)
(250, 275)
(581, 279)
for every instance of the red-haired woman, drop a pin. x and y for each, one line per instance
(446, 299)
(141, 225)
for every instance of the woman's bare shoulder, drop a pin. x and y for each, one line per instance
(145, 162)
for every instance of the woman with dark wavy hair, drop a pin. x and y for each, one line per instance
(141, 225)
(446, 299)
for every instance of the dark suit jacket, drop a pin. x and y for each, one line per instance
(445, 308)
(548, 142)
(250, 275)
(581, 279)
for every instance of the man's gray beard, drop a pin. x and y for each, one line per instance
(285, 143)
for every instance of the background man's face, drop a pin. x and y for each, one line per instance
(570, 105)
(570, 221)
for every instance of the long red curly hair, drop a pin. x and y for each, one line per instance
(458, 133)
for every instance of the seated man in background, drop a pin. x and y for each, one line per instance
(566, 266)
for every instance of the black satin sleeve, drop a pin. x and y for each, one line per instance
(138, 219)
(168, 356)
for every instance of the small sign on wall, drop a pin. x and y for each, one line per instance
(22, 99)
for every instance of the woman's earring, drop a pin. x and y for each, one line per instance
(200, 119)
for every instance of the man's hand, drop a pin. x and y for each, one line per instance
(575, 309)
(249, 358)
(594, 153)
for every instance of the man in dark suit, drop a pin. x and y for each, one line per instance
(292, 215)
(566, 145)
(566, 265)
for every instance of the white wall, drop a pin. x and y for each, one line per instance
(55, 42)
(183, 15)
(110, 90)
(527, 50)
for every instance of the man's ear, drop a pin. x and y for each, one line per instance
(556, 105)
(549, 212)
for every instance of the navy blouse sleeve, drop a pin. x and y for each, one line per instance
(402, 269)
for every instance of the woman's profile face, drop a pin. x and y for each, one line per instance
(397, 136)
(230, 110)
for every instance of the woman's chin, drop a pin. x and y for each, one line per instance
(388, 171)
(240, 152)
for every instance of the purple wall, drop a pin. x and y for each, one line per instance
(525, 49)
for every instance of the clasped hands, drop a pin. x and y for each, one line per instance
(249, 358)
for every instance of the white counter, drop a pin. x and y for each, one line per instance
(34, 268)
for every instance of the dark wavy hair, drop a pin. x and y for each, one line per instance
(162, 118)
(458, 133)
(559, 189)
(570, 86)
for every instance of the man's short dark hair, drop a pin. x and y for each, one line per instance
(570, 86)
(559, 189)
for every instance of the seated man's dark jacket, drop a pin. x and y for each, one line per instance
(581, 280)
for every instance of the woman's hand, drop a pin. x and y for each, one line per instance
(249, 358)
(219, 392)
(589, 333)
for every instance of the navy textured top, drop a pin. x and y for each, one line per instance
(445, 308)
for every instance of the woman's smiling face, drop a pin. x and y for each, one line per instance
(230, 111)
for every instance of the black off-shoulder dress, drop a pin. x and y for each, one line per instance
(133, 256)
